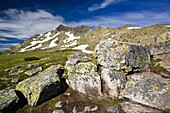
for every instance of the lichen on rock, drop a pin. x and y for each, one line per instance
(148, 89)
(83, 76)
(114, 82)
(34, 88)
(8, 98)
(161, 44)
(122, 56)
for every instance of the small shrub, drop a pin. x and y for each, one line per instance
(31, 58)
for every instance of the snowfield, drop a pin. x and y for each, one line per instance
(83, 48)
(33, 43)
(133, 28)
(167, 26)
(71, 37)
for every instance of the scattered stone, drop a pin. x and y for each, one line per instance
(58, 104)
(12, 68)
(114, 109)
(129, 107)
(83, 76)
(33, 71)
(148, 89)
(94, 109)
(48, 58)
(67, 94)
(74, 110)
(114, 82)
(122, 56)
(48, 64)
(39, 88)
(8, 99)
(16, 72)
(32, 65)
(15, 80)
(58, 111)
(87, 109)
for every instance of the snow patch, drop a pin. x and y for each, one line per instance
(83, 48)
(133, 28)
(33, 43)
(71, 37)
(167, 26)
(53, 44)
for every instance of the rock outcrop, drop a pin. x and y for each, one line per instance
(43, 86)
(83, 76)
(122, 56)
(33, 71)
(114, 82)
(129, 107)
(161, 44)
(148, 89)
(8, 99)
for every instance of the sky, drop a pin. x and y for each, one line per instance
(21, 19)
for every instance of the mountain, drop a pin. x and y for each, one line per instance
(129, 71)
(84, 37)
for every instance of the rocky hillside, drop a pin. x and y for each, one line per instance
(85, 38)
(118, 70)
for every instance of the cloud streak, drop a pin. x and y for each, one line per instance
(142, 19)
(23, 24)
(102, 5)
(20, 24)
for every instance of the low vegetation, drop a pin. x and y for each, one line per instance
(41, 58)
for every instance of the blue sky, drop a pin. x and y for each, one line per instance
(20, 19)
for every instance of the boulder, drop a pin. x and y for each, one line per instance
(122, 55)
(83, 76)
(33, 71)
(114, 82)
(114, 109)
(148, 89)
(161, 44)
(75, 58)
(45, 85)
(129, 107)
(16, 72)
(8, 100)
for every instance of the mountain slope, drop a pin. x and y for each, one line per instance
(83, 37)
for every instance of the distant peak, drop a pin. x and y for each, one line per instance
(78, 29)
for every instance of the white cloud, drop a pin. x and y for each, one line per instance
(102, 5)
(23, 24)
(3, 39)
(134, 18)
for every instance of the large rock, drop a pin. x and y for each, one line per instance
(8, 99)
(129, 107)
(122, 56)
(83, 76)
(148, 89)
(43, 86)
(161, 44)
(114, 82)
(33, 71)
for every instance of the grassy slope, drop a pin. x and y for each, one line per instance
(9, 60)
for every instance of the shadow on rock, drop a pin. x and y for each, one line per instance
(52, 91)
(17, 104)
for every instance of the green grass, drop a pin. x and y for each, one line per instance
(9, 60)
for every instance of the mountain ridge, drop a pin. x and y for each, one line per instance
(65, 37)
